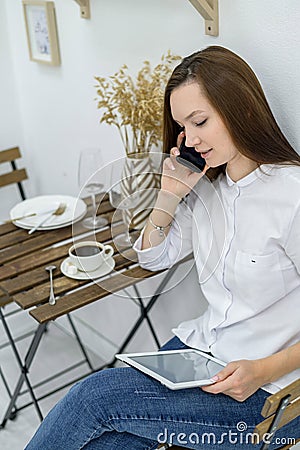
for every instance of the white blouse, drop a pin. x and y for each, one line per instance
(245, 237)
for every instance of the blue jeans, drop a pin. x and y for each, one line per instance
(123, 409)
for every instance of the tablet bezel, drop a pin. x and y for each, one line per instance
(126, 358)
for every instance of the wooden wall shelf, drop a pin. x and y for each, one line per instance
(209, 10)
(85, 11)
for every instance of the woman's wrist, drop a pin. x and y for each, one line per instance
(167, 202)
(160, 220)
(164, 210)
(160, 228)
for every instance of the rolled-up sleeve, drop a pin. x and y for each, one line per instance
(177, 244)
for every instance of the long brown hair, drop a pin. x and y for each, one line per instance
(234, 91)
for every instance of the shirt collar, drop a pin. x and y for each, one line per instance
(252, 176)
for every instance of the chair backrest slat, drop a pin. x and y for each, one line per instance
(291, 412)
(10, 155)
(272, 402)
(13, 177)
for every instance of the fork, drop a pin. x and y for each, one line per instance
(58, 212)
(15, 219)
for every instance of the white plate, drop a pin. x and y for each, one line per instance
(50, 227)
(75, 210)
(106, 268)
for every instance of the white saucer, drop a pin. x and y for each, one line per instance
(106, 268)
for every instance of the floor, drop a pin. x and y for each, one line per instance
(18, 432)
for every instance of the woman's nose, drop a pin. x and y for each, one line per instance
(192, 141)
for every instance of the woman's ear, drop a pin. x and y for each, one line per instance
(180, 137)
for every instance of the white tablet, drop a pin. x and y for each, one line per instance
(176, 369)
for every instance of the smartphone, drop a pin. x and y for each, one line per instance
(190, 158)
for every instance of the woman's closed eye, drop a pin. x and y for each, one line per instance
(199, 124)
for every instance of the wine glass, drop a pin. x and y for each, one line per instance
(91, 178)
(123, 195)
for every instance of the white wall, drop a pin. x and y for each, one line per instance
(11, 131)
(51, 112)
(58, 112)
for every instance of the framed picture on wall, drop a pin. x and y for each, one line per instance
(41, 31)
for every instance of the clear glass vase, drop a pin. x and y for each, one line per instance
(134, 183)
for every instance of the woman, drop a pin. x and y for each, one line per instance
(242, 221)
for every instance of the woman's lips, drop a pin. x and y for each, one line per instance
(206, 153)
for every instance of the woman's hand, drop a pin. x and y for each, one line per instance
(176, 178)
(176, 182)
(239, 379)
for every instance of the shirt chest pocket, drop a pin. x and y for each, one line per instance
(258, 278)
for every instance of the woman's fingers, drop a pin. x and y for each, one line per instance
(174, 151)
(168, 164)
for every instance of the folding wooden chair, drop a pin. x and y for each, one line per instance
(17, 176)
(279, 409)
(11, 175)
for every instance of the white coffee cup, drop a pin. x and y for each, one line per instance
(88, 256)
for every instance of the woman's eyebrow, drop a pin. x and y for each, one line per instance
(193, 114)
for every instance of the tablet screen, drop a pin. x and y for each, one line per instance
(180, 367)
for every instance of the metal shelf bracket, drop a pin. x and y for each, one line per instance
(85, 11)
(209, 10)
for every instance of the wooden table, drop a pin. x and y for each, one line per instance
(23, 280)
